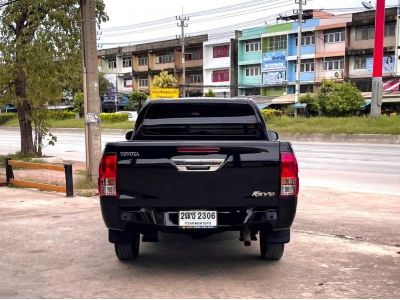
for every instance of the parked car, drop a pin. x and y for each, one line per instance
(8, 108)
(108, 104)
(199, 167)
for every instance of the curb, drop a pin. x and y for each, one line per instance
(301, 137)
(343, 138)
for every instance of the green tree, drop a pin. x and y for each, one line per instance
(78, 104)
(104, 85)
(136, 100)
(338, 99)
(40, 46)
(163, 80)
(209, 93)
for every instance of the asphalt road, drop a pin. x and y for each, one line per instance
(366, 168)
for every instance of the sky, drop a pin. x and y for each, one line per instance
(130, 14)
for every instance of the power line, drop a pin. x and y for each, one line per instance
(195, 14)
(158, 27)
(219, 32)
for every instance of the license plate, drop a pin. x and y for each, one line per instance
(197, 219)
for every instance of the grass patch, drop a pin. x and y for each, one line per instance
(351, 125)
(83, 181)
(83, 186)
(77, 123)
(21, 157)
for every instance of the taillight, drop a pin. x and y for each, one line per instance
(108, 175)
(289, 175)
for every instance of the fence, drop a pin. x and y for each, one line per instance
(67, 168)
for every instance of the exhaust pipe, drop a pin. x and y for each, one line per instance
(246, 236)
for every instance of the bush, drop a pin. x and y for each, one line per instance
(4, 118)
(61, 115)
(270, 113)
(209, 93)
(311, 101)
(338, 99)
(113, 117)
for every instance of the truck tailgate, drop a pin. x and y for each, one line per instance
(198, 174)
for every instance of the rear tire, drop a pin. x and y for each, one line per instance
(128, 251)
(270, 251)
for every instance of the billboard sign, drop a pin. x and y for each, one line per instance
(387, 64)
(274, 78)
(274, 61)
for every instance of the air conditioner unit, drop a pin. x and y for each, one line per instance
(338, 75)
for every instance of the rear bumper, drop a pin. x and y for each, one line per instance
(147, 219)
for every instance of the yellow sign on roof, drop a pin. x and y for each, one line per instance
(163, 93)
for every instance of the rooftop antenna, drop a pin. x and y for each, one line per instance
(367, 5)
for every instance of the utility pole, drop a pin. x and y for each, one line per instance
(377, 84)
(299, 28)
(91, 88)
(396, 71)
(182, 24)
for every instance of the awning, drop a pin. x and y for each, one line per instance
(262, 106)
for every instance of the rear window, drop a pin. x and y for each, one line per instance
(200, 120)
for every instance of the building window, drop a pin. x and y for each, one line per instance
(334, 36)
(127, 82)
(164, 58)
(390, 30)
(307, 40)
(127, 62)
(220, 76)
(221, 51)
(253, 71)
(277, 43)
(195, 78)
(253, 46)
(364, 33)
(112, 63)
(333, 63)
(360, 63)
(143, 60)
(143, 82)
(306, 65)
(194, 55)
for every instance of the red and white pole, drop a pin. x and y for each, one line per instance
(377, 84)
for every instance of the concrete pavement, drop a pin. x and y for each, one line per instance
(343, 246)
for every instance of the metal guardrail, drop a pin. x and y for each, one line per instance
(68, 189)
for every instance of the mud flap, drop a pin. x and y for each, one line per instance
(278, 236)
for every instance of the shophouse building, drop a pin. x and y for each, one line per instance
(330, 49)
(116, 64)
(220, 64)
(249, 61)
(279, 54)
(151, 58)
(361, 47)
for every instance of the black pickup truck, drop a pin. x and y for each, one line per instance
(199, 166)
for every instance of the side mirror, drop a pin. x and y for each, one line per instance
(128, 135)
(272, 135)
